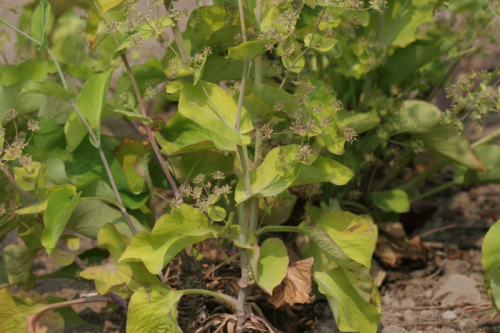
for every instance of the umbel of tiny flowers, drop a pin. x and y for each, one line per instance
(204, 193)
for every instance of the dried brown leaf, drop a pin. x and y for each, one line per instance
(296, 287)
(212, 249)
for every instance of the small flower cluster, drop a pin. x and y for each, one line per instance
(466, 90)
(177, 14)
(204, 193)
(378, 5)
(14, 150)
(350, 135)
(150, 93)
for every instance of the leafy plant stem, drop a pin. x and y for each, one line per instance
(305, 50)
(106, 166)
(258, 142)
(450, 70)
(435, 190)
(395, 171)
(258, 59)
(19, 31)
(228, 299)
(367, 86)
(487, 139)
(150, 135)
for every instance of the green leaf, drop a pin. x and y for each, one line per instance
(19, 264)
(22, 104)
(491, 261)
(359, 122)
(47, 88)
(195, 105)
(271, 178)
(490, 155)
(324, 169)
(30, 232)
(347, 240)
(147, 30)
(216, 213)
(171, 233)
(181, 136)
(153, 310)
(272, 264)
(247, 50)
(90, 216)
(60, 206)
(401, 20)
(112, 275)
(351, 312)
(320, 43)
(391, 201)
(39, 22)
(262, 99)
(422, 119)
(91, 101)
(415, 117)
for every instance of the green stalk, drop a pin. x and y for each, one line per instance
(487, 139)
(413, 182)
(435, 190)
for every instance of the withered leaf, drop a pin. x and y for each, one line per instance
(212, 249)
(296, 286)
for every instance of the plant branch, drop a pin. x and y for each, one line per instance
(305, 50)
(106, 166)
(413, 182)
(228, 299)
(487, 139)
(150, 135)
(225, 262)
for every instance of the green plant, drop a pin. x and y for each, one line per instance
(235, 160)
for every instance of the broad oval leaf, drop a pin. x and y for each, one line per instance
(19, 265)
(112, 275)
(195, 105)
(320, 43)
(247, 50)
(39, 22)
(272, 265)
(153, 310)
(90, 102)
(60, 206)
(171, 233)
(349, 241)
(391, 200)
(352, 313)
(47, 88)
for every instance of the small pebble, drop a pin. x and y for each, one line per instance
(449, 315)
(407, 303)
(410, 316)
(468, 326)
(398, 314)
(458, 311)
(393, 329)
(429, 315)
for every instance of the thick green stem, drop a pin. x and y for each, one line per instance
(435, 190)
(180, 44)
(242, 94)
(277, 228)
(228, 299)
